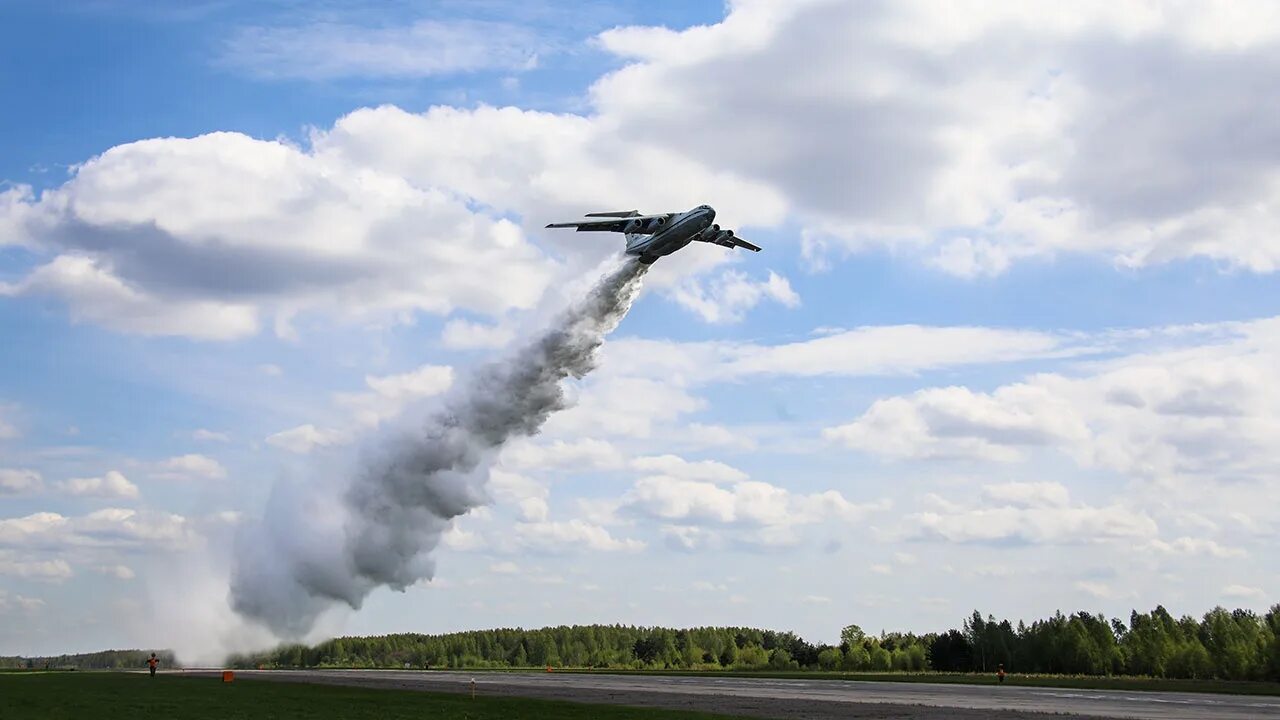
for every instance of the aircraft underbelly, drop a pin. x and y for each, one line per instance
(658, 245)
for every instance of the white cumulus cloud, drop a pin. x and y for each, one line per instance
(203, 236)
(1024, 517)
(463, 335)
(305, 438)
(389, 394)
(19, 481)
(747, 503)
(1206, 409)
(981, 136)
(1243, 592)
(957, 422)
(49, 570)
(94, 294)
(676, 466)
(970, 139)
(1196, 546)
(580, 455)
(19, 602)
(119, 528)
(727, 297)
(113, 484)
(192, 465)
(569, 535)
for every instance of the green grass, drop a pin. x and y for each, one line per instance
(127, 696)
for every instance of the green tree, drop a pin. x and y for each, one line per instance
(1232, 641)
(975, 631)
(916, 658)
(851, 635)
(881, 661)
(780, 659)
(729, 655)
(856, 658)
(1271, 643)
(752, 657)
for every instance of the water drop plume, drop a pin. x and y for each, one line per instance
(320, 546)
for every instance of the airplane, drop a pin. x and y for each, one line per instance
(651, 236)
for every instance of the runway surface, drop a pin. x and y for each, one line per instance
(806, 699)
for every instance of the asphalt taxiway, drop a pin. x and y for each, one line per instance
(806, 699)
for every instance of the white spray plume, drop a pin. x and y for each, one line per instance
(322, 546)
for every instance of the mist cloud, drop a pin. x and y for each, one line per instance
(322, 545)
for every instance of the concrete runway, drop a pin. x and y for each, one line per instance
(807, 699)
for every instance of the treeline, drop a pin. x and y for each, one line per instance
(1232, 645)
(1228, 645)
(585, 646)
(102, 660)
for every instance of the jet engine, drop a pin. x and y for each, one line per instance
(633, 226)
(655, 224)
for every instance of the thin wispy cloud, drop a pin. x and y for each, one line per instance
(329, 50)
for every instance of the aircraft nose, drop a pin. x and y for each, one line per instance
(711, 214)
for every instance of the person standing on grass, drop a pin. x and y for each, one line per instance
(1000, 673)
(152, 662)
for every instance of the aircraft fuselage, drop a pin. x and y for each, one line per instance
(674, 235)
(649, 237)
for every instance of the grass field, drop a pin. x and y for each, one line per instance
(128, 696)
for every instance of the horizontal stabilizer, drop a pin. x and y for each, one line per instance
(620, 213)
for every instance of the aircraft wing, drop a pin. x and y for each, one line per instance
(595, 225)
(725, 238)
(616, 222)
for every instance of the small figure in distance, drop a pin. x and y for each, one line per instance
(1000, 673)
(152, 662)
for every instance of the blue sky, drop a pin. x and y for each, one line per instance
(1010, 344)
